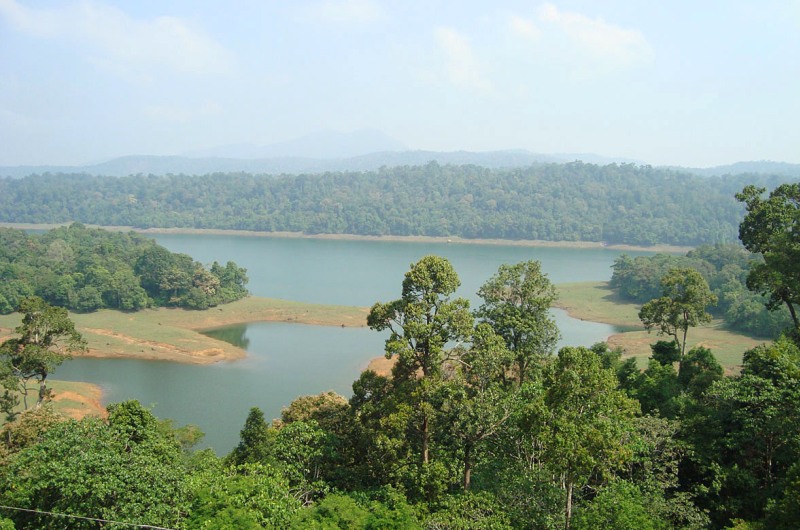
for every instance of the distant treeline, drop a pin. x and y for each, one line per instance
(725, 268)
(625, 203)
(88, 269)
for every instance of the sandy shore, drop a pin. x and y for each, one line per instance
(352, 237)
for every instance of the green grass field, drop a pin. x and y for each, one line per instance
(597, 302)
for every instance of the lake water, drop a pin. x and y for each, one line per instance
(288, 360)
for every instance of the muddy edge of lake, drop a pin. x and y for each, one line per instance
(353, 237)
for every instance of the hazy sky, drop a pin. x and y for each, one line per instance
(694, 83)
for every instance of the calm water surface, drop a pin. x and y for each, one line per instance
(288, 360)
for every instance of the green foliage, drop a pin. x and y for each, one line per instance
(378, 448)
(666, 352)
(89, 269)
(252, 495)
(631, 204)
(573, 425)
(770, 229)
(747, 433)
(657, 390)
(698, 371)
(302, 450)
(563, 447)
(516, 303)
(47, 338)
(332, 513)
(26, 430)
(725, 267)
(469, 511)
(475, 405)
(658, 453)
(328, 409)
(125, 470)
(254, 440)
(424, 319)
(783, 512)
(620, 505)
(685, 295)
(421, 324)
(382, 510)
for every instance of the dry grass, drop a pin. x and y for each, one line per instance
(71, 399)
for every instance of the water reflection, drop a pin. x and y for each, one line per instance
(235, 334)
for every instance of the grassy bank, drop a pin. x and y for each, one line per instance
(174, 334)
(70, 399)
(595, 301)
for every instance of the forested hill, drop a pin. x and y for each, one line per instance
(624, 203)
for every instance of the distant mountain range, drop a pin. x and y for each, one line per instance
(319, 145)
(163, 165)
(362, 150)
(762, 166)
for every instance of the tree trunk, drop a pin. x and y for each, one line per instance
(794, 314)
(425, 435)
(467, 466)
(568, 510)
(42, 393)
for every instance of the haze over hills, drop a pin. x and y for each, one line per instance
(362, 150)
(319, 145)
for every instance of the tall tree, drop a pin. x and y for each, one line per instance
(516, 304)
(47, 338)
(772, 228)
(254, 439)
(421, 323)
(685, 295)
(584, 422)
(746, 434)
(477, 404)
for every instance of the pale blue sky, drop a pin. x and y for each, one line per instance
(695, 83)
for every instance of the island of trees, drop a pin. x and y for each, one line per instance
(481, 424)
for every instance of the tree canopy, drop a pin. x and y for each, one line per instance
(685, 295)
(625, 203)
(771, 228)
(84, 269)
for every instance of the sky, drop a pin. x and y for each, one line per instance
(691, 83)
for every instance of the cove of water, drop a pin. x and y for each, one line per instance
(288, 360)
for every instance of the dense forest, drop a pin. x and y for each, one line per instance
(86, 269)
(624, 203)
(480, 425)
(497, 433)
(724, 267)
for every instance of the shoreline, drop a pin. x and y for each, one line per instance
(454, 240)
(178, 335)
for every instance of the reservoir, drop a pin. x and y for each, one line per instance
(288, 360)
